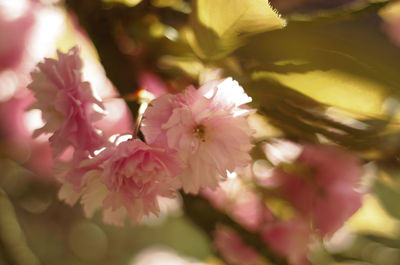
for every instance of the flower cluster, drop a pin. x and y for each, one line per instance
(193, 139)
(67, 104)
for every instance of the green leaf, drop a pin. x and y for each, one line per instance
(218, 27)
(389, 197)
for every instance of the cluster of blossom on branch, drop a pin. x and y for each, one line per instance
(192, 140)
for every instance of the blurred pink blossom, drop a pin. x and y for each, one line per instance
(391, 18)
(16, 126)
(289, 238)
(240, 202)
(67, 104)
(16, 30)
(322, 184)
(208, 127)
(22, 23)
(232, 248)
(152, 83)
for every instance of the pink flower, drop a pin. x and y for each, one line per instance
(240, 202)
(322, 184)
(125, 179)
(289, 238)
(232, 248)
(67, 104)
(208, 127)
(17, 29)
(17, 143)
(152, 83)
(391, 18)
(136, 174)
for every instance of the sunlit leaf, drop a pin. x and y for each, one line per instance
(178, 5)
(190, 65)
(126, 2)
(391, 11)
(335, 87)
(373, 218)
(218, 26)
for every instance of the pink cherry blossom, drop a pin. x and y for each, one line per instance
(152, 83)
(240, 202)
(17, 29)
(322, 186)
(208, 127)
(232, 248)
(125, 179)
(21, 47)
(17, 143)
(391, 18)
(290, 239)
(136, 174)
(67, 104)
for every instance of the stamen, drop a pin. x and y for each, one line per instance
(199, 132)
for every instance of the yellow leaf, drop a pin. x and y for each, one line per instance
(219, 25)
(334, 87)
(391, 12)
(191, 66)
(233, 17)
(373, 218)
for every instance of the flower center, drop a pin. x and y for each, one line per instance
(199, 132)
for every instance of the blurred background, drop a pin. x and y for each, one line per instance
(332, 75)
